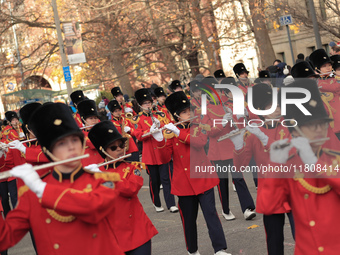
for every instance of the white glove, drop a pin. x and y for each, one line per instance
(227, 117)
(237, 139)
(279, 155)
(30, 178)
(256, 131)
(246, 114)
(16, 144)
(3, 147)
(172, 128)
(93, 168)
(157, 122)
(127, 129)
(21, 135)
(305, 150)
(157, 135)
(128, 109)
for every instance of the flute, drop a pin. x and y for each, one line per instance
(281, 146)
(7, 174)
(226, 136)
(114, 160)
(161, 129)
(34, 139)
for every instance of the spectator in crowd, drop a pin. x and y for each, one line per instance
(300, 58)
(276, 62)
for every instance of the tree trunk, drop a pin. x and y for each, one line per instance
(261, 33)
(208, 46)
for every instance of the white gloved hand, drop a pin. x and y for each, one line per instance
(227, 117)
(16, 144)
(173, 128)
(3, 147)
(128, 109)
(127, 129)
(278, 155)
(157, 122)
(305, 150)
(237, 139)
(93, 168)
(246, 114)
(21, 135)
(30, 178)
(157, 135)
(256, 131)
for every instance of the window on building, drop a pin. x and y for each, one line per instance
(310, 50)
(323, 9)
(281, 56)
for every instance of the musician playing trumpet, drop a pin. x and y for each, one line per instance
(125, 128)
(69, 207)
(152, 155)
(126, 106)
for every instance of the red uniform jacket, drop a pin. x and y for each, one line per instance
(267, 194)
(77, 118)
(315, 205)
(331, 89)
(129, 222)
(151, 154)
(188, 154)
(118, 123)
(70, 218)
(222, 150)
(10, 134)
(196, 102)
(33, 156)
(162, 108)
(95, 157)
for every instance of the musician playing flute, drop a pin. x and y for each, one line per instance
(191, 191)
(152, 155)
(89, 116)
(68, 209)
(314, 191)
(131, 226)
(221, 153)
(255, 143)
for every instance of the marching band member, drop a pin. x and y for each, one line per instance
(14, 130)
(255, 143)
(161, 96)
(221, 154)
(241, 73)
(152, 156)
(336, 67)
(68, 210)
(313, 195)
(76, 97)
(191, 192)
(175, 86)
(125, 128)
(126, 106)
(89, 116)
(327, 84)
(131, 226)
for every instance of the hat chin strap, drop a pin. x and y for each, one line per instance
(107, 154)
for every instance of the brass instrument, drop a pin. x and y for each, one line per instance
(129, 115)
(125, 135)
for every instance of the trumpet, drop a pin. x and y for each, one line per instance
(282, 146)
(128, 115)
(7, 174)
